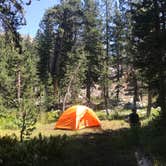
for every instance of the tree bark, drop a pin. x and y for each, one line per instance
(23, 127)
(162, 95)
(88, 86)
(19, 86)
(149, 100)
(106, 100)
(118, 79)
(162, 81)
(135, 96)
(56, 91)
(69, 86)
(106, 88)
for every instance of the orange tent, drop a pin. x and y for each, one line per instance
(77, 117)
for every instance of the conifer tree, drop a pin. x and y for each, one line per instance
(58, 36)
(93, 44)
(130, 51)
(8, 61)
(149, 35)
(106, 9)
(74, 76)
(28, 111)
(117, 45)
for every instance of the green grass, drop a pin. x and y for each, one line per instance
(94, 149)
(47, 120)
(112, 144)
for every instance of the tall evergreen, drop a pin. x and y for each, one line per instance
(8, 64)
(93, 44)
(106, 16)
(29, 101)
(149, 35)
(58, 38)
(67, 38)
(118, 46)
(10, 59)
(12, 18)
(75, 76)
(45, 47)
(129, 48)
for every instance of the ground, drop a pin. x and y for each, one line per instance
(114, 144)
(48, 129)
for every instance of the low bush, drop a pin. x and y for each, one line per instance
(8, 122)
(48, 117)
(38, 151)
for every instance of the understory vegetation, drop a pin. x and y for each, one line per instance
(109, 55)
(113, 145)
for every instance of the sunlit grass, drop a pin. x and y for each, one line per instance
(48, 129)
(115, 121)
(8, 132)
(114, 136)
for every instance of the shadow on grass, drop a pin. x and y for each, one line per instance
(113, 148)
(152, 139)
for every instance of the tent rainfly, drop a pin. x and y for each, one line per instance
(77, 117)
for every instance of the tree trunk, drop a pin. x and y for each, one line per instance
(56, 91)
(163, 18)
(162, 95)
(106, 98)
(88, 93)
(106, 89)
(88, 86)
(149, 100)
(69, 86)
(135, 96)
(118, 80)
(19, 86)
(141, 92)
(19, 47)
(162, 89)
(23, 127)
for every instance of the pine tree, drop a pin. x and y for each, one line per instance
(18, 65)
(8, 62)
(93, 45)
(129, 49)
(74, 76)
(58, 36)
(149, 36)
(26, 118)
(27, 107)
(118, 48)
(12, 18)
(106, 16)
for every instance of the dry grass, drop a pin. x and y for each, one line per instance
(48, 129)
(8, 132)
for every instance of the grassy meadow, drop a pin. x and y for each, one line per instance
(47, 120)
(113, 144)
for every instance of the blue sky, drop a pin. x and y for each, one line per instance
(34, 14)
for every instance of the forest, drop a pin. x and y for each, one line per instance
(109, 55)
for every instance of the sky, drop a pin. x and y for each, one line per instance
(34, 14)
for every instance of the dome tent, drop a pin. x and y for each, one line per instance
(77, 117)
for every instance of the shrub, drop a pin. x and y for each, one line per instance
(39, 151)
(53, 116)
(26, 118)
(8, 121)
(48, 117)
